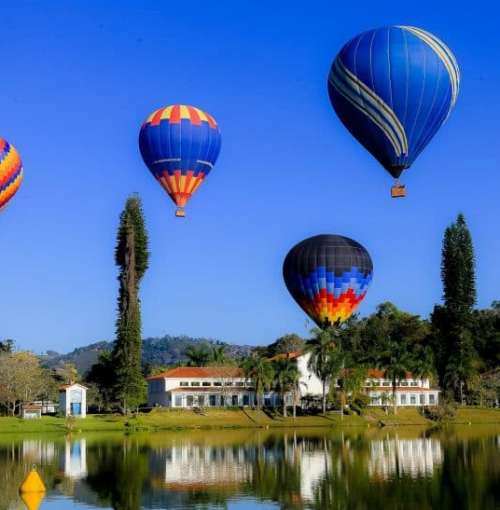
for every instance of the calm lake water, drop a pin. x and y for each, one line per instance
(409, 468)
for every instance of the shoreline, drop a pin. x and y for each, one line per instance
(219, 419)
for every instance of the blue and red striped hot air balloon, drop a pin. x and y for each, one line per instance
(11, 172)
(180, 145)
(393, 88)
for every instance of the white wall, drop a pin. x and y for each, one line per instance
(310, 384)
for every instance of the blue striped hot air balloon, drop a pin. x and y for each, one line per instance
(393, 88)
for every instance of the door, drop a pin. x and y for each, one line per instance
(76, 409)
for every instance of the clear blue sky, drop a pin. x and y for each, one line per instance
(78, 78)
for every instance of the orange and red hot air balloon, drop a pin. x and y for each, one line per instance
(180, 145)
(11, 172)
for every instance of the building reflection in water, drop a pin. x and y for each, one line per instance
(75, 458)
(190, 465)
(392, 457)
(38, 451)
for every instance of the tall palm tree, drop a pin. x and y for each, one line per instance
(287, 380)
(326, 358)
(261, 372)
(396, 360)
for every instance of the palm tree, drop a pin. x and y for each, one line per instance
(261, 372)
(287, 379)
(326, 358)
(396, 360)
(198, 356)
(218, 355)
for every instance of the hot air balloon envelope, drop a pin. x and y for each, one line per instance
(180, 145)
(328, 276)
(11, 172)
(393, 88)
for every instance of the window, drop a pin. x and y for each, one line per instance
(414, 383)
(234, 400)
(183, 383)
(217, 384)
(375, 401)
(246, 400)
(189, 400)
(228, 383)
(432, 398)
(178, 401)
(206, 383)
(240, 383)
(413, 400)
(422, 399)
(386, 383)
(195, 383)
(404, 383)
(201, 400)
(222, 400)
(403, 399)
(212, 401)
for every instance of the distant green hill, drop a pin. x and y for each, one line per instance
(166, 350)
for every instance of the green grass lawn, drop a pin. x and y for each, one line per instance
(171, 419)
(476, 415)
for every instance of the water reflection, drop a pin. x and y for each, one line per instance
(302, 469)
(75, 458)
(412, 457)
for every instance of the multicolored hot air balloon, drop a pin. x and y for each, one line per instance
(393, 88)
(328, 276)
(11, 172)
(180, 145)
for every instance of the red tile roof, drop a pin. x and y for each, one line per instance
(199, 372)
(65, 386)
(287, 355)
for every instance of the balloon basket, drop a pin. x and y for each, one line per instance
(180, 213)
(398, 191)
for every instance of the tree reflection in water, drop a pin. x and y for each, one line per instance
(303, 469)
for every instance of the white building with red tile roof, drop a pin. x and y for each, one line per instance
(200, 387)
(189, 387)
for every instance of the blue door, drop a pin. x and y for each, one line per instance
(76, 408)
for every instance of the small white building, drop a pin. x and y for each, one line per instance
(73, 400)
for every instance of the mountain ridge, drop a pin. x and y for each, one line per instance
(156, 351)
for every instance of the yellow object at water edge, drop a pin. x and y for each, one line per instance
(32, 483)
(32, 500)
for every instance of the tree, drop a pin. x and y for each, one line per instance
(261, 372)
(218, 355)
(452, 323)
(286, 343)
(326, 358)
(67, 373)
(198, 356)
(6, 345)
(132, 257)
(100, 378)
(287, 380)
(396, 342)
(21, 379)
